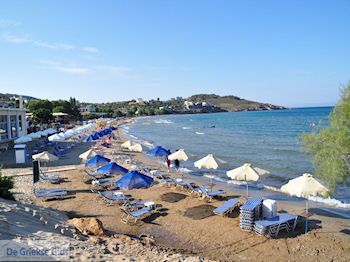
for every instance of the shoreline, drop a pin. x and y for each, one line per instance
(259, 188)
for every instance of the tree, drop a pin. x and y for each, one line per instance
(330, 146)
(6, 184)
(42, 111)
(34, 105)
(42, 115)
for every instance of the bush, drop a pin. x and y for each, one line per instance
(330, 146)
(6, 183)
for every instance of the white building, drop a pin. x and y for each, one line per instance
(12, 123)
(140, 101)
(89, 109)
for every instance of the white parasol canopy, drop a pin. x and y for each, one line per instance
(136, 148)
(207, 162)
(56, 137)
(88, 154)
(126, 144)
(34, 135)
(45, 157)
(51, 131)
(179, 155)
(305, 186)
(23, 139)
(246, 173)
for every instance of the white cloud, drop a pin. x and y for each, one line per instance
(69, 68)
(73, 70)
(5, 23)
(90, 49)
(26, 40)
(53, 46)
(15, 39)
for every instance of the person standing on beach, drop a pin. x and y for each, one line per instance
(167, 160)
(177, 164)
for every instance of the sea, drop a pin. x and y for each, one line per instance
(270, 140)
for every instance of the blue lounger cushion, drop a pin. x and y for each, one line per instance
(229, 204)
(282, 218)
(140, 212)
(50, 193)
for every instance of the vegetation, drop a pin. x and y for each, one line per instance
(330, 146)
(6, 183)
(42, 109)
(232, 103)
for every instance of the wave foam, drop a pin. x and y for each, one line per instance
(186, 127)
(199, 133)
(163, 121)
(330, 201)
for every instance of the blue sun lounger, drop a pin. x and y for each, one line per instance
(51, 193)
(226, 208)
(249, 212)
(52, 178)
(210, 194)
(273, 225)
(134, 216)
(114, 196)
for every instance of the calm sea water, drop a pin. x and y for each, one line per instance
(266, 139)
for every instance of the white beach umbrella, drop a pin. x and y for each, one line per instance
(45, 132)
(56, 137)
(179, 155)
(88, 154)
(51, 131)
(305, 186)
(207, 162)
(45, 157)
(246, 173)
(23, 139)
(34, 135)
(126, 144)
(136, 148)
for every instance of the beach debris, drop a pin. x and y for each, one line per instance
(147, 240)
(88, 225)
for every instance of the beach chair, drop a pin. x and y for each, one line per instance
(132, 206)
(226, 208)
(193, 188)
(113, 197)
(53, 178)
(92, 174)
(103, 183)
(53, 193)
(209, 195)
(134, 217)
(250, 212)
(273, 225)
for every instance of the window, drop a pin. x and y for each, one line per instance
(3, 127)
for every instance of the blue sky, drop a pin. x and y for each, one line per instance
(293, 53)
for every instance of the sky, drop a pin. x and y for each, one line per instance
(291, 52)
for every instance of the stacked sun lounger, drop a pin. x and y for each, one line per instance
(249, 212)
(273, 225)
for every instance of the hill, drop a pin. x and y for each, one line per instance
(7, 96)
(233, 103)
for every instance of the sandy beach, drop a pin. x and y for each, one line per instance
(187, 225)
